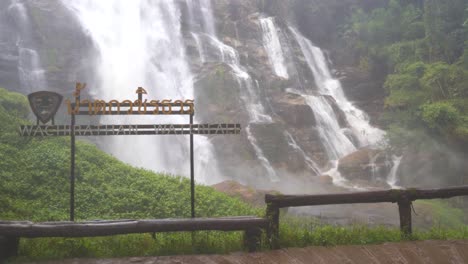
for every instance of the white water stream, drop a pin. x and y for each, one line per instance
(392, 178)
(336, 140)
(272, 45)
(250, 96)
(31, 73)
(140, 44)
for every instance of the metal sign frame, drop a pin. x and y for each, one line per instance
(114, 107)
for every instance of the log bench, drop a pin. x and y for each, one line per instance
(12, 231)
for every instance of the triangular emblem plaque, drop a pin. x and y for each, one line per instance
(45, 104)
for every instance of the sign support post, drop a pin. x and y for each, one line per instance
(192, 170)
(72, 169)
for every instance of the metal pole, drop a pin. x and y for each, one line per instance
(72, 169)
(192, 170)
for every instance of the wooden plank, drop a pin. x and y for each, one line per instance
(391, 196)
(404, 209)
(8, 247)
(107, 228)
(272, 214)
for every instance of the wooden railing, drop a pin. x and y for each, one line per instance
(12, 231)
(403, 198)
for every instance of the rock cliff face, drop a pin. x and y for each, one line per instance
(42, 47)
(292, 142)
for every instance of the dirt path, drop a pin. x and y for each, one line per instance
(406, 252)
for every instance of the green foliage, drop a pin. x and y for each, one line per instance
(424, 48)
(440, 115)
(443, 214)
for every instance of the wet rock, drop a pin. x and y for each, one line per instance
(294, 110)
(366, 164)
(340, 115)
(270, 138)
(325, 179)
(247, 194)
(366, 91)
(217, 95)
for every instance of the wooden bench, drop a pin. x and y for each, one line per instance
(12, 231)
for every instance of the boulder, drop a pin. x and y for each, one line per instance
(294, 110)
(365, 164)
(245, 193)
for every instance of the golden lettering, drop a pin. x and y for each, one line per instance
(111, 106)
(166, 102)
(139, 106)
(99, 105)
(130, 110)
(190, 104)
(155, 103)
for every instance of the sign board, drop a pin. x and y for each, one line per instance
(45, 104)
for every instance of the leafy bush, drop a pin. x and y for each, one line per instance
(440, 115)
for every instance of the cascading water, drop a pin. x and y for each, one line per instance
(272, 45)
(310, 163)
(336, 140)
(140, 44)
(31, 73)
(327, 85)
(392, 178)
(249, 92)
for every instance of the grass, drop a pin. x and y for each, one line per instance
(131, 245)
(294, 232)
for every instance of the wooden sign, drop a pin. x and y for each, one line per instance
(45, 104)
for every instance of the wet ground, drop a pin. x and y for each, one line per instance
(405, 252)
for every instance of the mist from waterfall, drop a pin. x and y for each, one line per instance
(272, 45)
(140, 43)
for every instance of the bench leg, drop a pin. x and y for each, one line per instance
(252, 239)
(8, 247)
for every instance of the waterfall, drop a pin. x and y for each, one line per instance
(337, 141)
(392, 178)
(327, 85)
(207, 16)
(140, 44)
(31, 74)
(250, 94)
(266, 164)
(310, 163)
(272, 45)
(200, 49)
